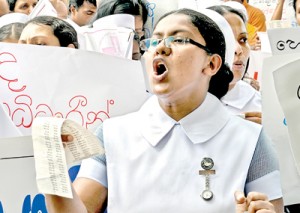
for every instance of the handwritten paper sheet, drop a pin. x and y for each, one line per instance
(50, 157)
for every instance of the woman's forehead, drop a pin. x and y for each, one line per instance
(175, 18)
(26, 1)
(175, 22)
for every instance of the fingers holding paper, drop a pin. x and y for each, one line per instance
(67, 138)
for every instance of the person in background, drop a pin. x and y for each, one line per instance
(296, 6)
(49, 31)
(256, 16)
(241, 98)
(4, 8)
(250, 29)
(137, 8)
(11, 33)
(256, 21)
(82, 11)
(153, 156)
(22, 6)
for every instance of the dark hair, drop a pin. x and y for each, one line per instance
(224, 9)
(294, 4)
(215, 42)
(12, 4)
(12, 30)
(78, 3)
(131, 7)
(65, 33)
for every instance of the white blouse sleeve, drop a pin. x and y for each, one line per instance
(95, 168)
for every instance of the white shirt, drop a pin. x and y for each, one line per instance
(153, 162)
(242, 98)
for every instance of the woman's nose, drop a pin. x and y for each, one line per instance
(30, 10)
(238, 49)
(162, 49)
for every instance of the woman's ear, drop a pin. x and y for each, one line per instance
(71, 46)
(72, 9)
(214, 65)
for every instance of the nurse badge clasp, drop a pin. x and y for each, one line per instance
(207, 164)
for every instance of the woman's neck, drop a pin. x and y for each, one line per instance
(231, 86)
(180, 108)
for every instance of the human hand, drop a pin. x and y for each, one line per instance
(253, 116)
(254, 83)
(67, 138)
(280, 2)
(255, 202)
(61, 7)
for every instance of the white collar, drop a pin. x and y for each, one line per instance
(239, 96)
(199, 126)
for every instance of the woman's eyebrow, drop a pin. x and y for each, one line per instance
(171, 32)
(157, 34)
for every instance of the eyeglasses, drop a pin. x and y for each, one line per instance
(136, 37)
(151, 43)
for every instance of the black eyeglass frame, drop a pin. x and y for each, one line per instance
(185, 40)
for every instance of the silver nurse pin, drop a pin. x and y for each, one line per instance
(207, 164)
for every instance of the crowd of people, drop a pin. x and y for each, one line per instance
(200, 112)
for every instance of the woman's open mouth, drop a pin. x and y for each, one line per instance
(159, 67)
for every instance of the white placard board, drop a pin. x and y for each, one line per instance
(284, 40)
(287, 84)
(19, 193)
(275, 125)
(7, 127)
(84, 86)
(17, 179)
